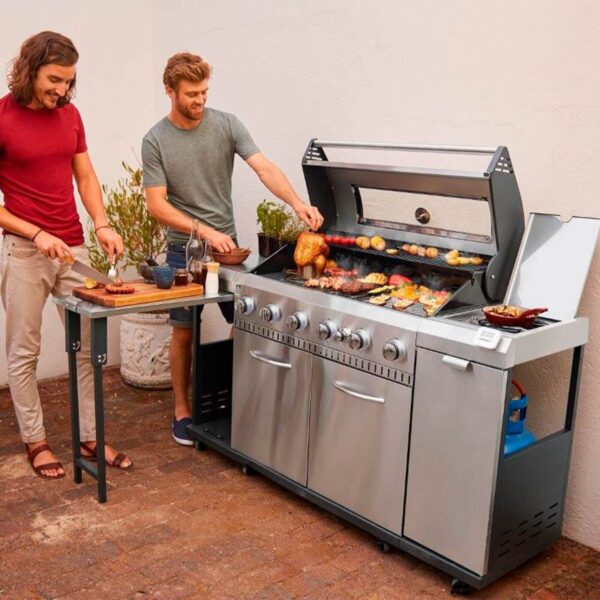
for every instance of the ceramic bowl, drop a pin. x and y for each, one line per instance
(164, 276)
(236, 257)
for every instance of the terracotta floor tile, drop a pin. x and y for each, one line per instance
(188, 524)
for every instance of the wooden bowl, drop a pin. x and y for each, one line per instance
(236, 257)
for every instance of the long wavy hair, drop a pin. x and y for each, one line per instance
(44, 48)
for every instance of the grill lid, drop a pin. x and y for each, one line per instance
(552, 264)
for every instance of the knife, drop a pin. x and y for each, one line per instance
(86, 271)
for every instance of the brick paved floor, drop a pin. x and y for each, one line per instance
(185, 524)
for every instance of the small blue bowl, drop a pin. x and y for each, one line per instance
(164, 276)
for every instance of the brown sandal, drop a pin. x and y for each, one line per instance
(31, 454)
(93, 457)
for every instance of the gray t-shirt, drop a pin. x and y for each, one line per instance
(196, 166)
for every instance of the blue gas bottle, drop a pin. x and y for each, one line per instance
(517, 435)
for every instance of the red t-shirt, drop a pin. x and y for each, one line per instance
(36, 176)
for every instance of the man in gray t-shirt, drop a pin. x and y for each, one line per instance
(188, 163)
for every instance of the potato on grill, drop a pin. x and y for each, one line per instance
(379, 300)
(363, 242)
(377, 243)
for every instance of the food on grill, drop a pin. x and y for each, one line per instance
(421, 251)
(363, 242)
(476, 260)
(339, 272)
(431, 252)
(396, 280)
(378, 278)
(452, 261)
(402, 304)
(356, 287)
(392, 251)
(413, 249)
(123, 289)
(451, 255)
(463, 260)
(320, 262)
(378, 243)
(379, 300)
(311, 249)
(405, 248)
(383, 289)
(330, 264)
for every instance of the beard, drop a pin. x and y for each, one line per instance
(194, 114)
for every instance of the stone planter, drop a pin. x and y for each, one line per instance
(145, 340)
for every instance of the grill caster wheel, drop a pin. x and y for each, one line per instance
(248, 470)
(200, 446)
(460, 588)
(384, 546)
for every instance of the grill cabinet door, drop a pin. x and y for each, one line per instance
(454, 451)
(270, 404)
(358, 442)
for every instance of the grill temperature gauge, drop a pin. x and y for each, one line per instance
(270, 312)
(394, 350)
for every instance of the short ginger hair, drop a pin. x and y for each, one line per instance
(185, 66)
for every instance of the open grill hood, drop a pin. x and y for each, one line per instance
(334, 187)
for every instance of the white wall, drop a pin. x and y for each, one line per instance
(473, 72)
(114, 96)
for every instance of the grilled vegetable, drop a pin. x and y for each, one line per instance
(431, 252)
(392, 251)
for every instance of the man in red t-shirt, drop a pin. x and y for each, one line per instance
(42, 147)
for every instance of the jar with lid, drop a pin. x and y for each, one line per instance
(212, 278)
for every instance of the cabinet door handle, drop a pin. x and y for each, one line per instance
(269, 361)
(343, 388)
(456, 363)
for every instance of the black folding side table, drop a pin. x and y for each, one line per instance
(98, 316)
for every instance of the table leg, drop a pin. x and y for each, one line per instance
(73, 341)
(99, 358)
(196, 370)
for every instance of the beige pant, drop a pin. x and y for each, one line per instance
(27, 277)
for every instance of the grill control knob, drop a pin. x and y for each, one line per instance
(326, 329)
(245, 305)
(394, 350)
(297, 321)
(360, 340)
(342, 335)
(270, 312)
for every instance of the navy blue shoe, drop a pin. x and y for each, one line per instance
(179, 432)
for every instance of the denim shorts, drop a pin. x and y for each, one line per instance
(182, 317)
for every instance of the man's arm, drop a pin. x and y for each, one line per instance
(91, 196)
(167, 214)
(276, 182)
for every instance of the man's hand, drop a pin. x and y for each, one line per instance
(310, 215)
(219, 241)
(111, 242)
(53, 247)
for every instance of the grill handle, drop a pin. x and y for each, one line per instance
(345, 390)
(405, 147)
(269, 361)
(456, 363)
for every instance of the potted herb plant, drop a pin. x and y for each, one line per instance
(278, 226)
(145, 337)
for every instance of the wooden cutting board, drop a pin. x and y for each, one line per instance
(144, 293)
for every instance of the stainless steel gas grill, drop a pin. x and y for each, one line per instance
(393, 414)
